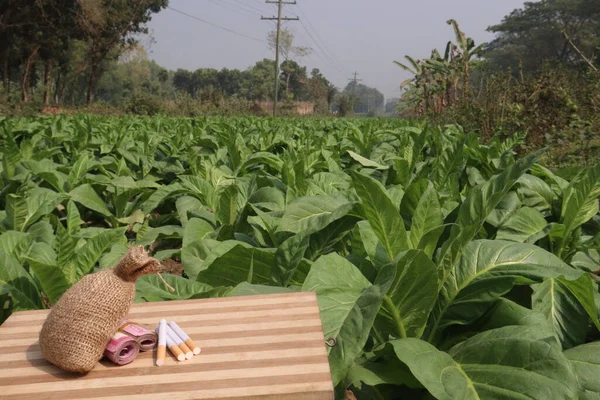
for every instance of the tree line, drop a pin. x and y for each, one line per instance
(60, 42)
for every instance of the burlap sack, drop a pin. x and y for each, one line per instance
(85, 318)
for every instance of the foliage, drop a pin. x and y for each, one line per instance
(535, 34)
(444, 266)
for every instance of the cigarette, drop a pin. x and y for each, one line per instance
(173, 347)
(186, 339)
(162, 343)
(186, 350)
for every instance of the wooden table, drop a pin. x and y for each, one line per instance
(258, 347)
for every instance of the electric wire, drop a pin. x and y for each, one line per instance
(310, 25)
(216, 25)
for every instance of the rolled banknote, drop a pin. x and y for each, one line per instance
(145, 338)
(122, 349)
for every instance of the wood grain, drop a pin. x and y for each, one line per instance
(258, 347)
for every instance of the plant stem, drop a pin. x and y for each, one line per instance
(396, 315)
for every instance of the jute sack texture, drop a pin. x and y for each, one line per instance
(84, 319)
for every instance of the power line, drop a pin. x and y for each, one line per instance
(233, 8)
(216, 26)
(248, 5)
(321, 49)
(310, 25)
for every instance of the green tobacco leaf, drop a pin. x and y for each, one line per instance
(194, 254)
(503, 313)
(78, 169)
(580, 203)
(240, 263)
(153, 234)
(137, 217)
(287, 258)
(150, 288)
(195, 230)
(527, 225)
(228, 208)
(586, 362)
(46, 170)
(427, 217)
(199, 187)
(478, 205)
(15, 243)
(326, 240)
(73, 219)
(365, 162)
(87, 197)
(248, 289)
(384, 217)
(311, 214)
(42, 261)
(259, 158)
(65, 245)
(268, 198)
(84, 260)
(588, 260)
(15, 280)
(370, 244)
(42, 232)
(449, 163)
(507, 207)
(489, 269)
(348, 304)
(21, 212)
(507, 363)
(536, 193)
(185, 206)
(410, 200)
(160, 195)
(568, 306)
(412, 293)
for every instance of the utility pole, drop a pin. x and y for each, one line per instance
(355, 80)
(279, 18)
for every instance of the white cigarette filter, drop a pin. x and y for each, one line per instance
(173, 347)
(186, 339)
(186, 350)
(162, 343)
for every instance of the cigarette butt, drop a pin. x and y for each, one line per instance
(189, 342)
(193, 346)
(177, 352)
(160, 356)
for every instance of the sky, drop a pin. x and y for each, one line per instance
(346, 36)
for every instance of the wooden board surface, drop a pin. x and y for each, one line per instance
(258, 347)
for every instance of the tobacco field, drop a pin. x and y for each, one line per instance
(445, 267)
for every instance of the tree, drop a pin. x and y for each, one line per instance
(466, 52)
(182, 80)
(289, 52)
(533, 35)
(108, 28)
(257, 82)
(295, 79)
(287, 49)
(367, 99)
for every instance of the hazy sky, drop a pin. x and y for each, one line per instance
(364, 36)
